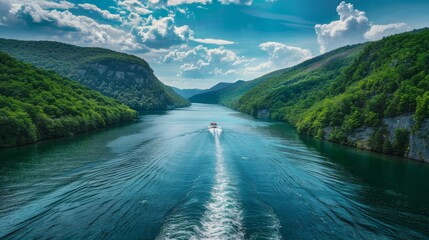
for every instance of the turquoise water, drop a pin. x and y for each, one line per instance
(167, 176)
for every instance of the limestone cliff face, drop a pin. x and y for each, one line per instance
(419, 143)
(116, 73)
(127, 78)
(132, 84)
(418, 139)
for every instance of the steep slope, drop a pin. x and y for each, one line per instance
(376, 98)
(126, 78)
(288, 93)
(227, 96)
(36, 104)
(313, 73)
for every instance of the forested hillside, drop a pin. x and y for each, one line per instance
(124, 77)
(36, 104)
(373, 96)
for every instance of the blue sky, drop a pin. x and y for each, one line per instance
(197, 43)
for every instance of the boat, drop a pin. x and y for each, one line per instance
(213, 125)
(214, 128)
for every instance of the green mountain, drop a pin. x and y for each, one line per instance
(373, 96)
(187, 93)
(36, 104)
(309, 71)
(127, 78)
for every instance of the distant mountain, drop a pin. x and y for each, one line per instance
(187, 93)
(373, 96)
(36, 104)
(124, 77)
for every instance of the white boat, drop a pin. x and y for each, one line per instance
(213, 125)
(214, 128)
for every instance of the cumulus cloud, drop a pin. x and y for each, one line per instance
(202, 62)
(212, 41)
(377, 32)
(284, 55)
(260, 68)
(180, 2)
(9, 8)
(352, 27)
(51, 4)
(280, 56)
(238, 2)
(161, 33)
(134, 6)
(71, 28)
(104, 13)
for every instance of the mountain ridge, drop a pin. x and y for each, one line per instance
(188, 93)
(37, 104)
(373, 96)
(124, 77)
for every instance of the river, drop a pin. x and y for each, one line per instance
(165, 176)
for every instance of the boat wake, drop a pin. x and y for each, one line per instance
(215, 131)
(223, 216)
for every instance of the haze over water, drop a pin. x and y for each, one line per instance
(167, 176)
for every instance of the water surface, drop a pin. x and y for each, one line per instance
(166, 176)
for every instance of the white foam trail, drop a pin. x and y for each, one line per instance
(215, 131)
(223, 217)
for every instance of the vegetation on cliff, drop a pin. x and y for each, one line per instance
(36, 104)
(124, 77)
(353, 88)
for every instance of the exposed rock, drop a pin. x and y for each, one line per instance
(419, 143)
(418, 148)
(327, 132)
(399, 122)
(264, 113)
(120, 75)
(361, 137)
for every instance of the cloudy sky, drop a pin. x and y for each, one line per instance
(197, 43)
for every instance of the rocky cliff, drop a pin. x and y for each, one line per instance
(396, 134)
(126, 78)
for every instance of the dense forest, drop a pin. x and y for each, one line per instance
(124, 77)
(352, 95)
(37, 104)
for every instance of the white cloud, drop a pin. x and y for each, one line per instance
(135, 19)
(285, 56)
(52, 4)
(280, 56)
(161, 33)
(260, 68)
(69, 27)
(202, 62)
(238, 2)
(134, 6)
(106, 14)
(180, 2)
(212, 41)
(9, 8)
(379, 31)
(352, 27)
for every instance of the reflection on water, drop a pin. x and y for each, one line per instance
(167, 176)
